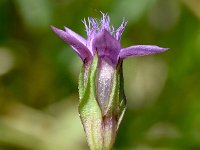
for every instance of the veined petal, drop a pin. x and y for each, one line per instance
(140, 50)
(77, 36)
(75, 42)
(106, 46)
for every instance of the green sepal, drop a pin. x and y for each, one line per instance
(81, 83)
(122, 97)
(115, 109)
(89, 109)
(111, 113)
(117, 101)
(113, 105)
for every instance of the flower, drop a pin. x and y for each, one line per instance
(102, 99)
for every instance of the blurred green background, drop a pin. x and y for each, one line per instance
(39, 74)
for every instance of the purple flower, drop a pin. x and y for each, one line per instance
(103, 39)
(102, 99)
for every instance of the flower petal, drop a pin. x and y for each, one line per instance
(75, 42)
(106, 46)
(77, 36)
(140, 50)
(120, 30)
